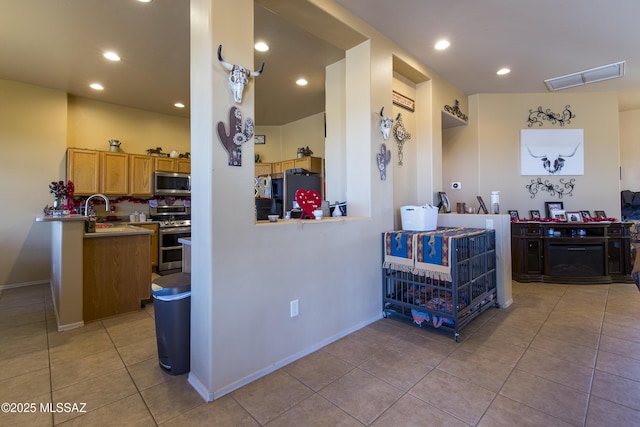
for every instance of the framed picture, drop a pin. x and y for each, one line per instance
(260, 139)
(585, 215)
(549, 206)
(514, 214)
(482, 205)
(574, 217)
(600, 214)
(559, 214)
(444, 202)
(534, 214)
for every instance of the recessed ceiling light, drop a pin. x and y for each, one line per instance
(178, 105)
(261, 47)
(145, 1)
(96, 86)
(503, 71)
(442, 45)
(301, 82)
(111, 56)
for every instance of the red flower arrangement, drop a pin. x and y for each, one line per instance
(61, 190)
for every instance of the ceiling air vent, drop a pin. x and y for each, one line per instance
(593, 75)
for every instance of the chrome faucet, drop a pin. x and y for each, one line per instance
(86, 203)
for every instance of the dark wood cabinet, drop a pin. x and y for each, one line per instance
(597, 252)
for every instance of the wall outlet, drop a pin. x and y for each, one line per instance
(456, 186)
(293, 308)
(489, 223)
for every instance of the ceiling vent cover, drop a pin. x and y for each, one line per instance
(593, 75)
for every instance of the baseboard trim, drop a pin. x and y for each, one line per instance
(212, 395)
(24, 284)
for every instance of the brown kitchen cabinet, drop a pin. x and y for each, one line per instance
(261, 169)
(154, 242)
(276, 167)
(167, 164)
(140, 175)
(310, 164)
(183, 166)
(288, 164)
(114, 173)
(116, 275)
(83, 169)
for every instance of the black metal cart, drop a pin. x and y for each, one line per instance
(450, 304)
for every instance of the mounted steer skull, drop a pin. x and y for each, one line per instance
(386, 123)
(238, 76)
(558, 163)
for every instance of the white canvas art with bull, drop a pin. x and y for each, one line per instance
(552, 152)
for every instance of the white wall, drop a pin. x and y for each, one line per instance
(630, 150)
(33, 141)
(91, 124)
(485, 155)
(245, 274)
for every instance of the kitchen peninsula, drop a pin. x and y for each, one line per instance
(96, 275)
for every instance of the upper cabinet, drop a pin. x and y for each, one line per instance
(83, 169)
(167, 164)
(140, 172)
(115, 173)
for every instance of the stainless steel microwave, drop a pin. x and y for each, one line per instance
(171, 184)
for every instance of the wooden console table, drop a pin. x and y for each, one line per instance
(556, 252)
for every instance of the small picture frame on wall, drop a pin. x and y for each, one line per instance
(534, 214)
(482, 207)
(574, 217)
(260, 139)
(585, 215)
(600, 214)
(514, 215)
(549, 206)
(444, 202)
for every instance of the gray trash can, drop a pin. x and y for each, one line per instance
(172, 308)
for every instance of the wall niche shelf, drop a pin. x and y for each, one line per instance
(451, 121)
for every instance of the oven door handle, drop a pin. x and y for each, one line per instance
(175, 230)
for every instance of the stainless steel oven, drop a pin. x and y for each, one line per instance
(175, 223)
(170, 250)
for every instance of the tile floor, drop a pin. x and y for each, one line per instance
(560, 355)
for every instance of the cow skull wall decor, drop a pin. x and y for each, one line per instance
(386, 123)
(238, 76)
(557, 164)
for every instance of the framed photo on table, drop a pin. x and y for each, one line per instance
(514, 214)
(559, 214)
(600, 214)
(534, 214)
(444, 202)
(549, 206)
(574, 217)
(482, 205)
(585, 215)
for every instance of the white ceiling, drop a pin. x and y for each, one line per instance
(58, 44)
(537, 40)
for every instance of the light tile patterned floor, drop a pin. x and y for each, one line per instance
(560, 355)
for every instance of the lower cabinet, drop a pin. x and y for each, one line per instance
(571, 253)
(116, 275)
